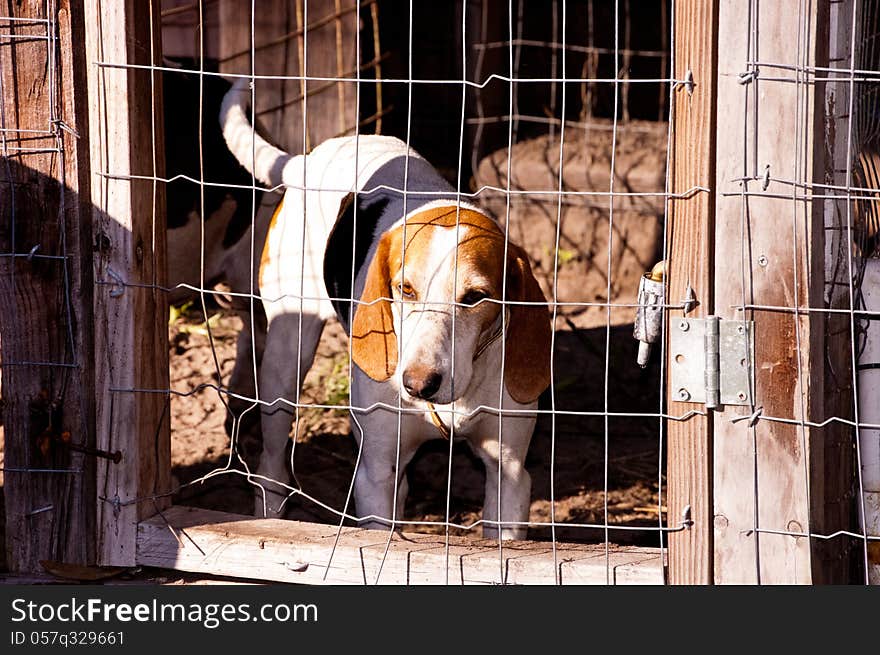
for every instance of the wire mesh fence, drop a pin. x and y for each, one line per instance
(594, 238)
(551, 131)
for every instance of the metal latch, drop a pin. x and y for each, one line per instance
(649, 315)
(711, 361)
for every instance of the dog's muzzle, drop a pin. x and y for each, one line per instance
(422, 384)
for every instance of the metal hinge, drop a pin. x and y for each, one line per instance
(712, 361)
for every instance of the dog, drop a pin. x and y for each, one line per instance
(417, 280)
(227, 210)
(214, 219)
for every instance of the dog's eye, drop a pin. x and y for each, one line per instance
(406, 290)
(473, 296)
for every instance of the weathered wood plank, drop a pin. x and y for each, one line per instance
(286, 30)
(131, 314)
(181, 28)
(690, 253)
(45, 304)
(769, 252)
(205, 541)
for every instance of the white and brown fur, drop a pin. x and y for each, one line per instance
(343, 232)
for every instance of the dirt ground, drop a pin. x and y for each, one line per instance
(325, 451)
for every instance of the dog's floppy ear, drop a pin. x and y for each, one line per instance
(373, 340)
(527, 346)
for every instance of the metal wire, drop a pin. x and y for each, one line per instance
(403, 81)
(555, 311)
(487, 187)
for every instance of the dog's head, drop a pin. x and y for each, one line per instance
(442, 268)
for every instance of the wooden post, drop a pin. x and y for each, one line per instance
(771, 477)
(131, 314)
(46, 287)
(690, 253)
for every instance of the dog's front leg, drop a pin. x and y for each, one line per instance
(243, 413)
(291, 343)
(383, 460)
(515, 482)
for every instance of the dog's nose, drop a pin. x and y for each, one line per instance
(422, 385)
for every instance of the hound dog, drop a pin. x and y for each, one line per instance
(434, 353)
(193, 151)
(213, 219)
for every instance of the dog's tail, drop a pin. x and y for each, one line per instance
(263, 160)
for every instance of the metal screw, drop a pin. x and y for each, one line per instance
(762, 260)
(689, 82)
(741, 396)
(740, 329)
(690, 299)
(684, 394)
(684, 326)
(686, 519)
(766, 181)
(114, 457)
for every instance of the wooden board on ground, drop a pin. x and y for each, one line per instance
(205, 541)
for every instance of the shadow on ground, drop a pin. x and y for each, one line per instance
(589, 451)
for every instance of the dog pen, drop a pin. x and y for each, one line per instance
(722, 149)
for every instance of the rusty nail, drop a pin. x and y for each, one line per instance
(114, 457)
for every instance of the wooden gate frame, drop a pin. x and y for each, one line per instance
(747, 481)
